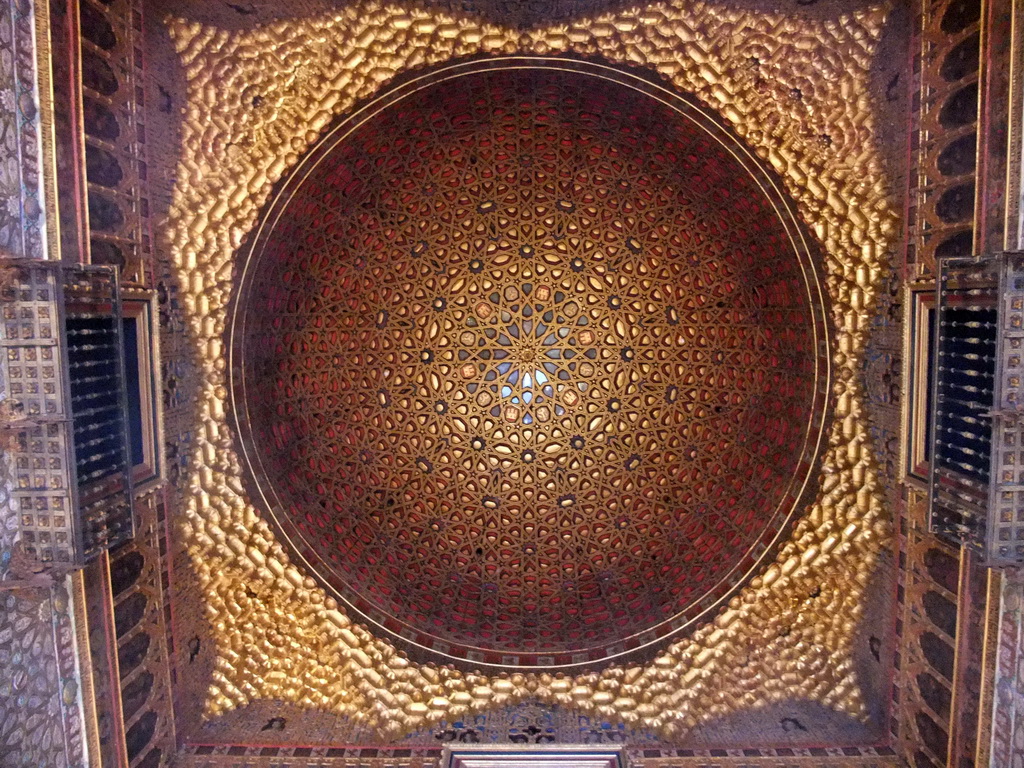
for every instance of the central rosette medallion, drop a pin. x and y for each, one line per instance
(529, 364)
(523, 354)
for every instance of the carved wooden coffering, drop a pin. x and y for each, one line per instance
(530, 362)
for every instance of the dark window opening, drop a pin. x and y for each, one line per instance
(133, 390)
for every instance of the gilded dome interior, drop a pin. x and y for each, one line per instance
(528, 363)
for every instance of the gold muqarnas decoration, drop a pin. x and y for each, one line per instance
(797, 91)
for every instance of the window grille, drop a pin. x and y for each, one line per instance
(63, 377)
(977, 470)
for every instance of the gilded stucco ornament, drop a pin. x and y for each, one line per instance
(784, 85)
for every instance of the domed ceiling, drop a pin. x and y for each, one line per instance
(529, 363)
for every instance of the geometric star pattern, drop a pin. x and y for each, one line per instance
(528, 364)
